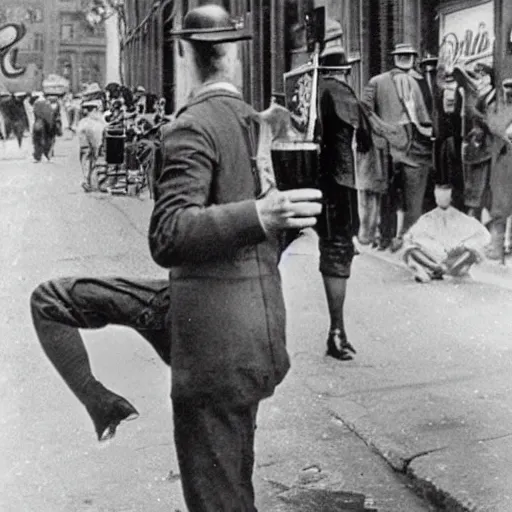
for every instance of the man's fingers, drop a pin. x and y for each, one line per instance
(303, 194)
(300, 222)
(305, 209)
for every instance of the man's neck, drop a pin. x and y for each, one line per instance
(213, 84)
(410, 71)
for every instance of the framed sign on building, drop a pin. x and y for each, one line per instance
(300, 99)
(466, 34)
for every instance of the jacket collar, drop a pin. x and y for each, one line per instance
(412, 73)
(210, 90)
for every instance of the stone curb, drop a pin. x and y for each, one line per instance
(427, 488)
(353, 417)
(397, 457)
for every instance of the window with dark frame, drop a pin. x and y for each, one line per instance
(67, 32)
(38, 42)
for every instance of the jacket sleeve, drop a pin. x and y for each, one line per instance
(184, 226)
(369, 96)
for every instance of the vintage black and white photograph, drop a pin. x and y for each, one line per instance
(256, 255)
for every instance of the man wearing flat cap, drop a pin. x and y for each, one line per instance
(400, 97)
(215, 226)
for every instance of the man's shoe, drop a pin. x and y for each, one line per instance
(348, 346)
(107, 410)
(420, 274)
(334, 341)
(360, 247)
(383, 244)
(396, 244)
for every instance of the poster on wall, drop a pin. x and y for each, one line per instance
(466, 49)
(300, 99)
(467, 36)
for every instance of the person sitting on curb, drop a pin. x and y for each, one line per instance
(444, 241)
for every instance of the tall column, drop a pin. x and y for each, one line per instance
(51, 36)
(112, 50)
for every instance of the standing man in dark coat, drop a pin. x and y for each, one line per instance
(44, 130)
(342, 132)
(400, 97)
(215, 227)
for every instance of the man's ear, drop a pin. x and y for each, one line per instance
(180, 48)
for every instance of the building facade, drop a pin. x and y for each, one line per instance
(81, 53)
(146, 51)
(368, 29)
(52, 37)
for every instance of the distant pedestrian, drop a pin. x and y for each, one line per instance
(13, 117)
(44, 129)
(90, 130)
(401, 97)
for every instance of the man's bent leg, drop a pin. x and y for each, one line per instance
(422, 265)
(215, 447)
(60, 307)
(461, 265)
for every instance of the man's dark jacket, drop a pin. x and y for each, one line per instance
(227, 319)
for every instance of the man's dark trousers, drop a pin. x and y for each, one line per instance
(215, 451)
(61, 307)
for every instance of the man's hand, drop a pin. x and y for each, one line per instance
(290, 209)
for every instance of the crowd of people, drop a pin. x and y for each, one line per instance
(433, 125)
(120, 112)
(35, 113)
(48, 115)
(400, 162)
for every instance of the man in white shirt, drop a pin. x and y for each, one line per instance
(444, 241)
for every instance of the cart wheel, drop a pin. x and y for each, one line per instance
(101, 178)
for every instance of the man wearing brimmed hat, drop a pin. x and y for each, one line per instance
(400, 97)
(139, 99)
(44, 129)
(233, 278)
(339, 121)
(215, 226)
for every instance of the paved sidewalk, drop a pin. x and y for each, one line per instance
(447, 426)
